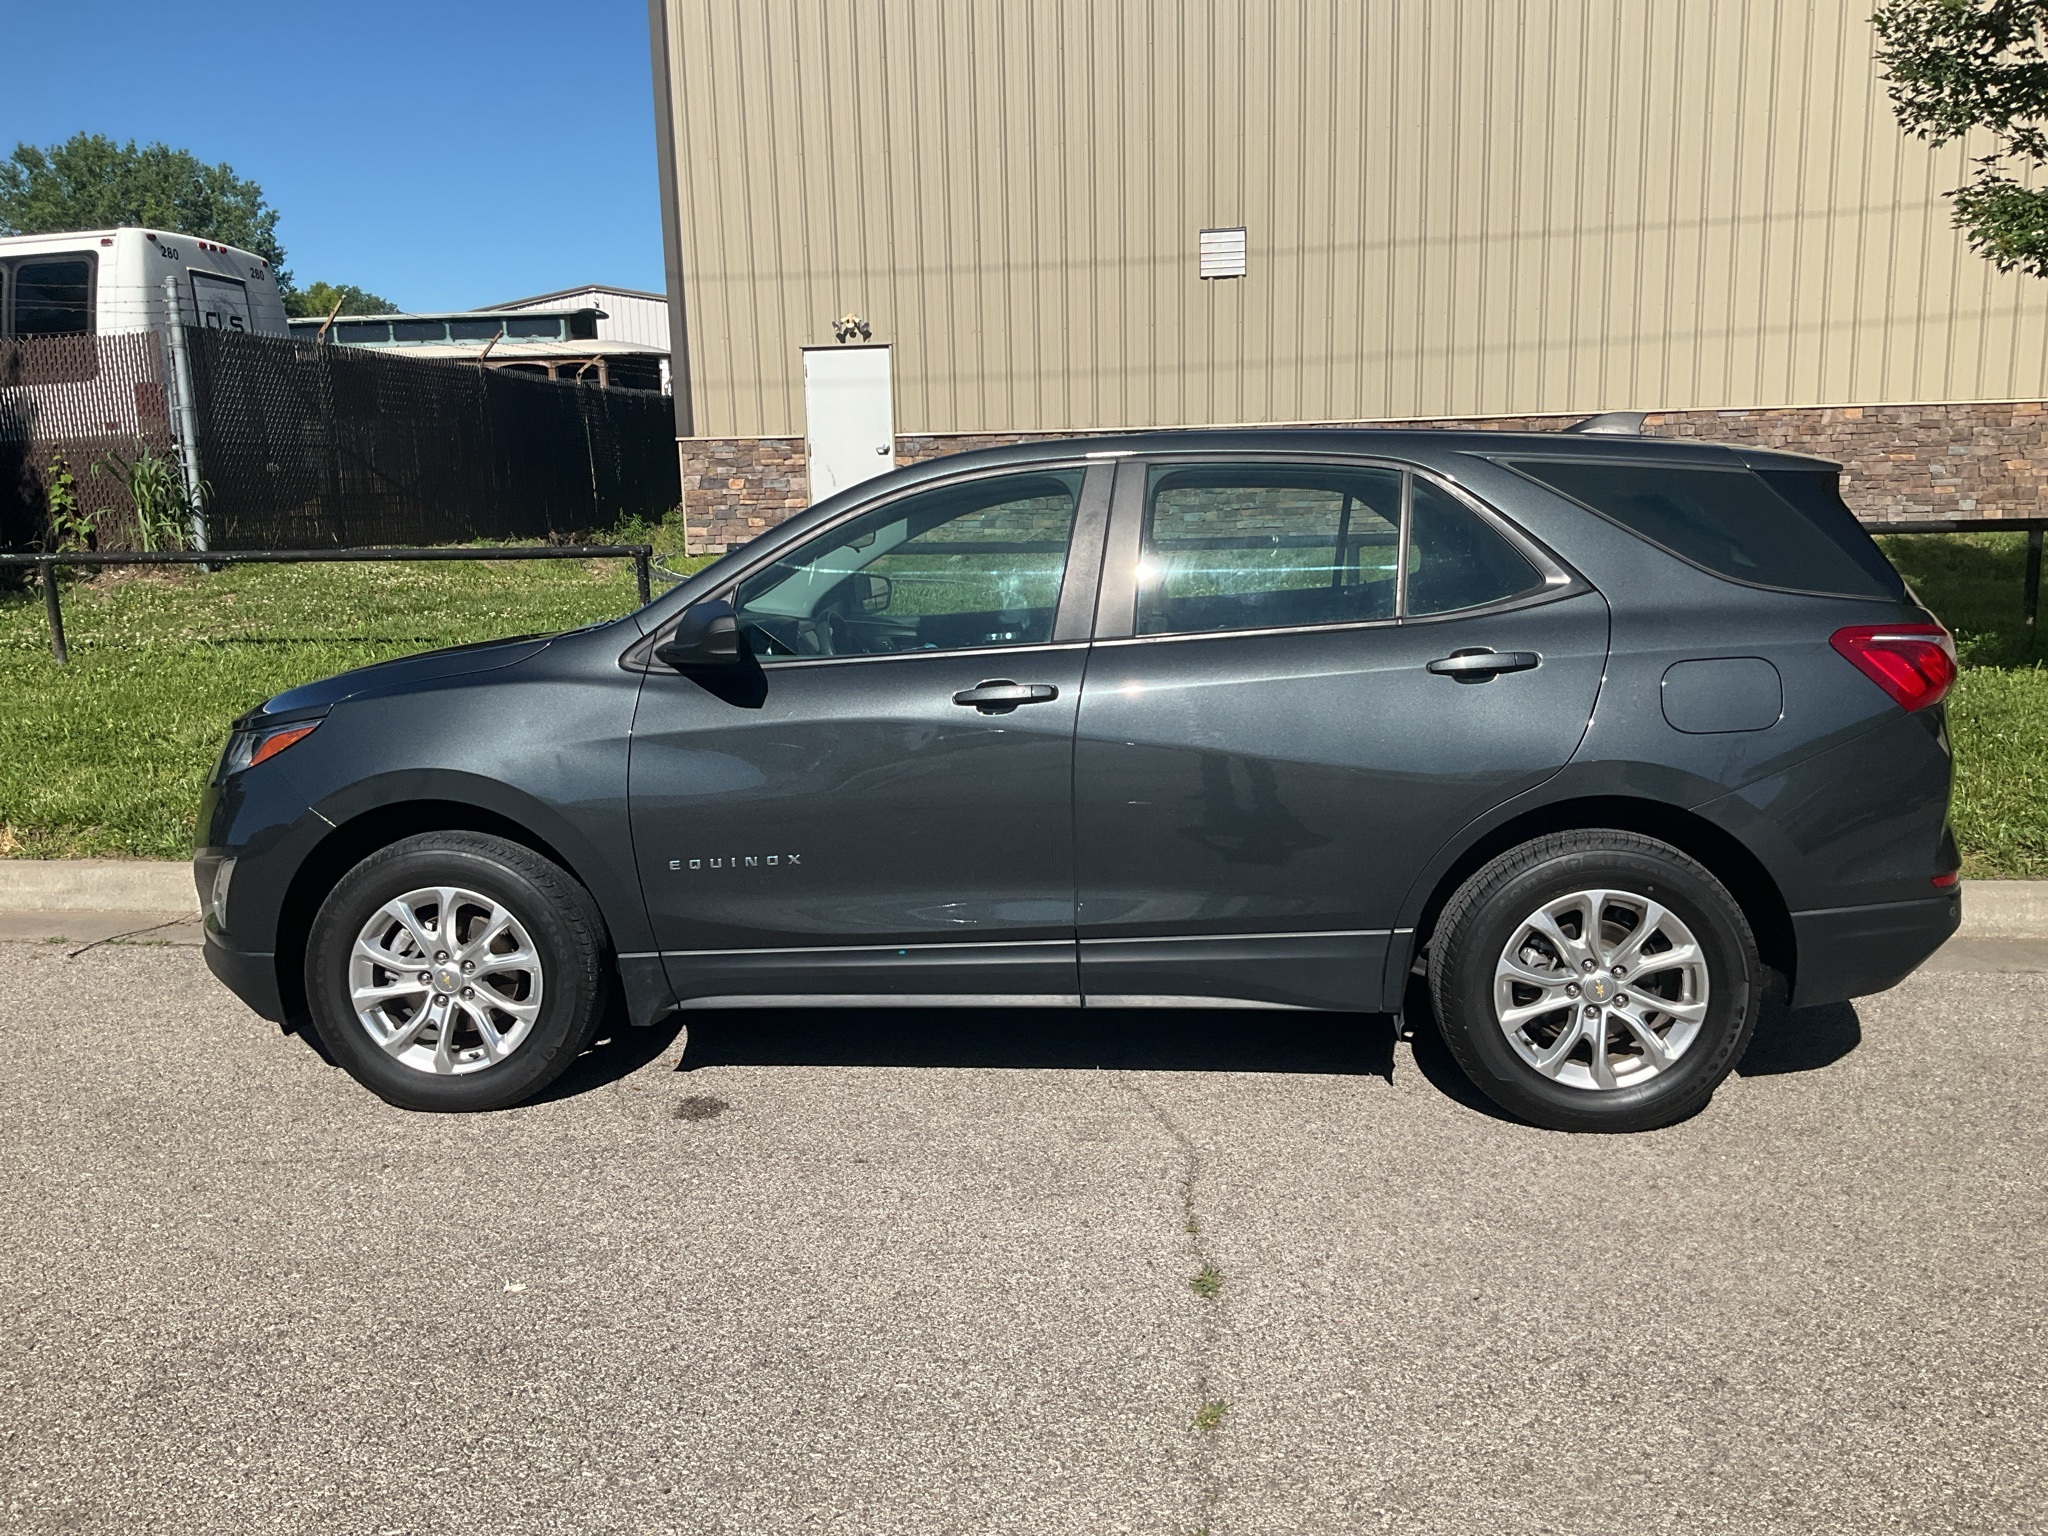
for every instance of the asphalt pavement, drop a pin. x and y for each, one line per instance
(1003, 1271)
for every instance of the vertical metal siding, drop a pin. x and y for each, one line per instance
(628, 316)
(1456, 207)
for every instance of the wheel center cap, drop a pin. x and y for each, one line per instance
(447, 980)
(1599, 988)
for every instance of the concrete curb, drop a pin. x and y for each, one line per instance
(2005, 909)
(97, 885)
(1992, 909)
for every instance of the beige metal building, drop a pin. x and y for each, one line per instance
(1452, 207)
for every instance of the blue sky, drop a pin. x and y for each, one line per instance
(442, 153)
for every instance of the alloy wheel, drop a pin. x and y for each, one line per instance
(1601, 989)
(445, 980)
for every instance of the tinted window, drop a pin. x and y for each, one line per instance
(419, 330)
(544, 328)
(1817, 494)
(357, 332)
(953, 569)
(53, 297)
(1259, 547)
(1455, 560)
(474, 330)
(1728, 520)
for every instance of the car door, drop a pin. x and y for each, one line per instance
(1307, 675)
(879, 800)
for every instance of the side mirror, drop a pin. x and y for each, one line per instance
(707, 635)
(873, 594)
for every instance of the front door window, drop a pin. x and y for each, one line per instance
(959, 568)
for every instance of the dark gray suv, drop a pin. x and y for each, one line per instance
(1604, 733)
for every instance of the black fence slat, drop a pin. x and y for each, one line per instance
(304, 445)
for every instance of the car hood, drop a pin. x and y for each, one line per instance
(403, 673)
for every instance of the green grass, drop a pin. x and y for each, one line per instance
(1998, 712)
(106, 757)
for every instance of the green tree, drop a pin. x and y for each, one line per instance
(1955, 67)
(91, 182)
(319, 298)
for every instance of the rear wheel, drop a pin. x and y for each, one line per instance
(456, 971)
(1595, 981)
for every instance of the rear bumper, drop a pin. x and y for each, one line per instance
(1847, 952)
(251, 977)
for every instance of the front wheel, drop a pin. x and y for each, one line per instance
(456, 971)
(1595, 981)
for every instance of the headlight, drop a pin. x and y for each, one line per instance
(247, 748)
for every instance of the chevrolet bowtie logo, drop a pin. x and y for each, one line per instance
(740, 861)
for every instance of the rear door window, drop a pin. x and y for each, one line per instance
(1785, 529)
(1278, 546)
(1262, 547)
(1455, 561)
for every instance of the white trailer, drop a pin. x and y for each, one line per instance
(138, 289)
(108, 281)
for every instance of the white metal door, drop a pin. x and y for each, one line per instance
(849, 417)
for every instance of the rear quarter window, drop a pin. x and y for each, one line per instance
(1774, 528)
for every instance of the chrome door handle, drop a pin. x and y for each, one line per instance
(999, 695)
(1481, 665)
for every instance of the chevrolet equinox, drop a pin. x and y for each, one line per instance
(1604, 735)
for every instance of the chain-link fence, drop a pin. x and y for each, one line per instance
(82, 405)
(306, 446)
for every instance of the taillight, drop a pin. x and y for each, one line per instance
(1914, 663)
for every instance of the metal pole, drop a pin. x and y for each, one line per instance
(643, 579)
(2031, 604)
(55, 610)
(188, 413)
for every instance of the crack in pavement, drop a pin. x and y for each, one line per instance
(1209, 1409)
(116, 938)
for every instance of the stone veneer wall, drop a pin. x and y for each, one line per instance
(1976, 460)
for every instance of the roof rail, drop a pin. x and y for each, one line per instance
(1617, 423)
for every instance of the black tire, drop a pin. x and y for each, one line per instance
(560, 919)
(1484, 917)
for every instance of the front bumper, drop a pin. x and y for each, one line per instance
(251, 977)
(1847, 952)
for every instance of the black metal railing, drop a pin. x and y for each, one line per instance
(47, 565)
(2033, 527)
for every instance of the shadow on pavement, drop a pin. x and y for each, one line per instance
(1804, 1040)
(619, 1051)
(1136, 1039)
(1434, 1061)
